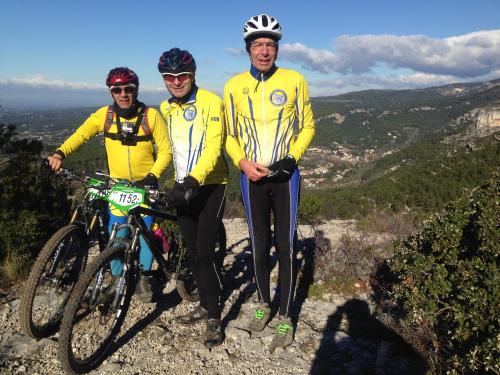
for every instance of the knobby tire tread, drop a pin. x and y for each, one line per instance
(27, 299)
(65, 354)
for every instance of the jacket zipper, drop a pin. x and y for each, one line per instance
(263, 119)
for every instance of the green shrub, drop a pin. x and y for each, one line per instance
(447, 284)
(31, 208)
(338, 268)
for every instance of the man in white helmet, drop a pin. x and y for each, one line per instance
(269, 127)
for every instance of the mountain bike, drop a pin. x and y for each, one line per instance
(100, 300)
(63, 258)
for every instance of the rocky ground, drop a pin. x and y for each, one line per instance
(334, 336)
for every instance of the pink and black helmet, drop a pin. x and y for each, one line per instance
(121, 76)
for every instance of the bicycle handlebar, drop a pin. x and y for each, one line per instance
(154, 195)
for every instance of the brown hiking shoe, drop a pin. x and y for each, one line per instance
(284, 334)
(261, 316)
(192, 317)
(213, 334)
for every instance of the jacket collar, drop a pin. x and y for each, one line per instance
(256, 73)
(190, 97)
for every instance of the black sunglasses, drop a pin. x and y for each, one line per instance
(118, 89)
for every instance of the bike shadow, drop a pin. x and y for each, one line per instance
(162, 304)
(355, 342)
(238, 273)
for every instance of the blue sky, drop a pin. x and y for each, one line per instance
(58, 53)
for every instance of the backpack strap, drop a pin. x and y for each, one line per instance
(145, 123)
(142, 121)
(108, 121)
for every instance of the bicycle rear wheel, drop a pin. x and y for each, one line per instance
(96, 310)
(52, 277)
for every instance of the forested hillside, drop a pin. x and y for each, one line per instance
(377, 149)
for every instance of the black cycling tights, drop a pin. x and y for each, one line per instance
(281, 198)
(199, 223)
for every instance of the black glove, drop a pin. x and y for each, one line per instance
(282, 170)
(150, 180)
(182, 194)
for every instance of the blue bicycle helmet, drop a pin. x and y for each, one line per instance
(176, 61)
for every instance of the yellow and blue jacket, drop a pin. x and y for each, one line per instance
(195, 129)
(268, 116)
(126, 162)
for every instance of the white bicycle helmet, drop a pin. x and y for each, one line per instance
(262, 25)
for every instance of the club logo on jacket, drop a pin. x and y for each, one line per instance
(246, 90)
(190, 113)
(278, 97)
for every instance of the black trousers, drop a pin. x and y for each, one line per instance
(199, 223)
(281, 198)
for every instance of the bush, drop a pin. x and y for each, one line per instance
(447, 286)
(338, 269)
(30, 209)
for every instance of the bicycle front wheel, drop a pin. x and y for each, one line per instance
(52, 277)
(96, 310)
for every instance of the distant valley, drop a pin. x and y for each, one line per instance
(362, 138)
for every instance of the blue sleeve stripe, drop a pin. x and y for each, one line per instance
(298, 109)
(190, 149)
(233, 122)
(247, 145)
(277, 139)
(257, 147)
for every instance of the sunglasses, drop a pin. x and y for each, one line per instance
(118, 89)
(184, 76)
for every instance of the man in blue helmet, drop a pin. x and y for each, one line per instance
(194, 124)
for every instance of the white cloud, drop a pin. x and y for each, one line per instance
(41, 82)
(235, 52)
(46, 83)
(323, 61)
(39, 91)
(365, 81)
(470, 55)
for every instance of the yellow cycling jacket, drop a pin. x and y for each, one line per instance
(268, 116)
(126, 162)
(195, 129)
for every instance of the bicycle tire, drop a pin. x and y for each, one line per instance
(186, 285)
(86, 300)
(37, 298)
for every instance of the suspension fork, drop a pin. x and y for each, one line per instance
(76, 213)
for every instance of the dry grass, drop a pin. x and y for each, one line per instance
(15, 267)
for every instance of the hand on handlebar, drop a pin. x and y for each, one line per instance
(54, 162)
(183, 193)
(150, 180)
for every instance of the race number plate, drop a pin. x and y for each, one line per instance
(93, 191)
(125, 198)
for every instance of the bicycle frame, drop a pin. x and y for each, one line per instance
(81, 216)
(137, 227)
